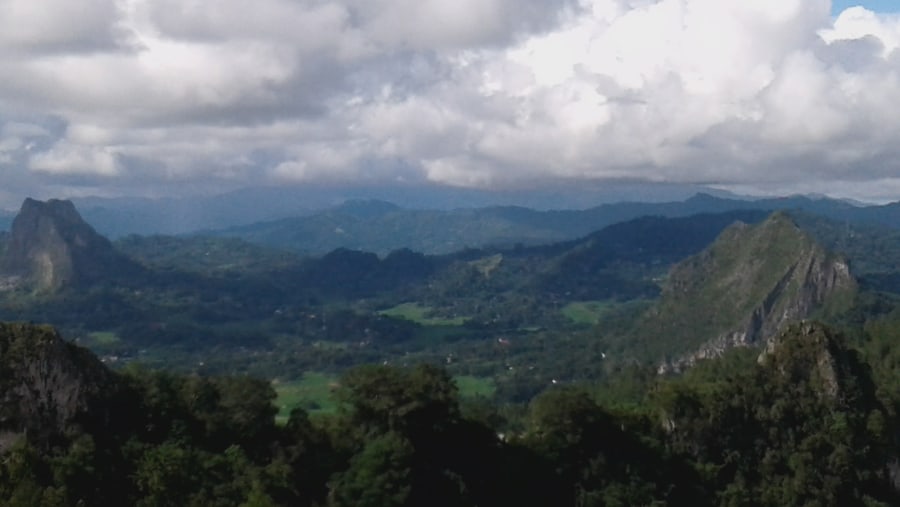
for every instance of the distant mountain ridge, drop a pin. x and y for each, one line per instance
(380, 227)
(122, 216)
(316, 221)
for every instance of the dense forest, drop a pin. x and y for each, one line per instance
(802, 425)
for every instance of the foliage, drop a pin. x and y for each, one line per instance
(805, 425)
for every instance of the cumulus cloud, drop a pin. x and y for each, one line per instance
(771, 94)
(66, 158)
(29, 28)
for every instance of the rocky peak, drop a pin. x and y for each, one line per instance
(749, 284)
(50, 246)
(812, 353)
(47, 384)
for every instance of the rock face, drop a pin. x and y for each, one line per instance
(50, 247)
(746, 287)
(47, 384)
(811, 352)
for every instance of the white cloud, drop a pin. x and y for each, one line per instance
(28, 26)
(488, 93)
(71, 159)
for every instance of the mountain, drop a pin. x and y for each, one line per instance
(6, 218)
(813, 352)
(381, 227)
(743, 289)
(50, 247)
(116, 217)
(316, 220)
(583, 267)
(48, 385)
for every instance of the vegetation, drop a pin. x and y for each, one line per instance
(803, 426)
(585, 312)
(421, 315)
(497, 376)
(312, 393)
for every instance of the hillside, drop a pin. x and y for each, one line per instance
(743, 289)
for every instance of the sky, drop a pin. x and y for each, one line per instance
(171, 97)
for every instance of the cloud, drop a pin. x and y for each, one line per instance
(491, 93)
(66, 158)
(31, 28)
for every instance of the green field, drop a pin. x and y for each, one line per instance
(470, 387)
(311, 393)
(420, 315)
(586, 312)
(102, 338)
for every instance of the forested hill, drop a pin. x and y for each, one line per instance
(743, 289)
(803, 425)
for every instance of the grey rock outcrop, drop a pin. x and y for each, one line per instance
(47, 384)
(51, 247)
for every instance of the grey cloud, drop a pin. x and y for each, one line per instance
(31, 28)
(473, 93)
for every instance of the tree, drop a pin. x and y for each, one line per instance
(379, 476)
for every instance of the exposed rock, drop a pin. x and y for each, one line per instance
(811, 352)
(47, 384)
(748, 285)
(50, 247)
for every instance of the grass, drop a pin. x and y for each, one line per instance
(420, 315)
(471, 387)
(312, 393)
(103, 338)
(586, 312)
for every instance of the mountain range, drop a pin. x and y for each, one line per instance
(588, 208)
(121, 216)
(380, 227)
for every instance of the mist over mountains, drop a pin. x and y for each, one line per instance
(315, 221)
(381, 227)
(116, 217)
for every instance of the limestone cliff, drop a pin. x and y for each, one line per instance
(744, 289)
(47, 384)
(808, 349)
(50, 247)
